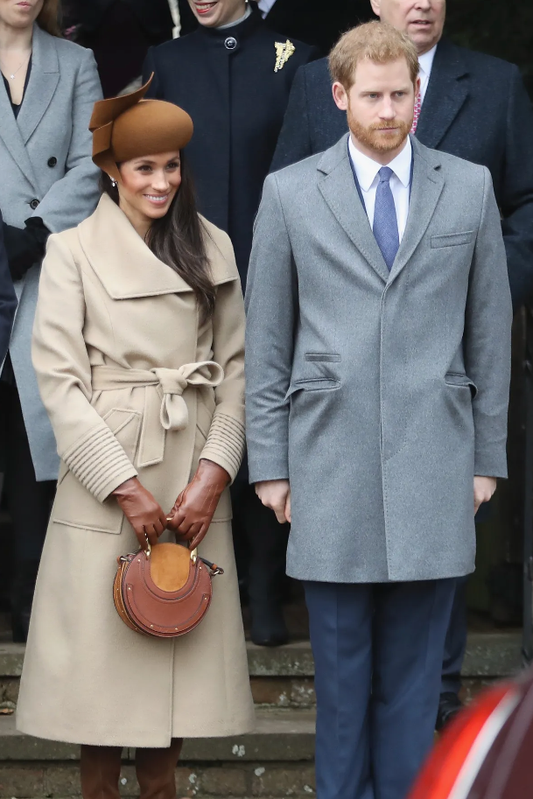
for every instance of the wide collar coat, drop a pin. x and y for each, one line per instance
(135, 384)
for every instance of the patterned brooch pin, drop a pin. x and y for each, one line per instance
(284, 50)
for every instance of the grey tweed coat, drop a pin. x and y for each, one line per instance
(47, 171)
(379, 395)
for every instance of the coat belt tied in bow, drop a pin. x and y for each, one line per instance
(173, 412)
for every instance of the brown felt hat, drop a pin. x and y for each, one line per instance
(129, 127)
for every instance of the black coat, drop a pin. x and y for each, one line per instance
(305, 20)
(476, 107)
(237, 103)
(8, 299)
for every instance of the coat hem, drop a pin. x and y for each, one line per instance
(143, 740)
(338, 579)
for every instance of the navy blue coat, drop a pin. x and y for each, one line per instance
(8, 298)
(237, 103)
(476, 107)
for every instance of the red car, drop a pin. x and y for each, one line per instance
(487, 751)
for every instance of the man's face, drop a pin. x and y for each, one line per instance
(421, 20)
(379, 107)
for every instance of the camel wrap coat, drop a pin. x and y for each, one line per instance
(120, 356)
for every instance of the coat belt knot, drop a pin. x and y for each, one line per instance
(173, 412)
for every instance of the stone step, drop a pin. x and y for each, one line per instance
(280, 735)
(488, 654)
(276, 760)
(283, 676)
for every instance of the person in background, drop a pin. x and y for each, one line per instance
(233, 76)
(470, 105)
(306, 20)
(49, 183)
(377, 382)
(8, 298)
(119, 32)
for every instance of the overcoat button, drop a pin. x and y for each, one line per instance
(230, 43)
(34, 204)
(52, 161)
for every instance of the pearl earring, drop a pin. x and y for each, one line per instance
(113, 183)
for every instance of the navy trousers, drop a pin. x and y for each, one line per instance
(455, 646)
(378, 651)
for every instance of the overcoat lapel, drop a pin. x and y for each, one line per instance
(446, 94)
(126, 267)
(11, 135)
(427, 185)
(340, 193)
(42, 84)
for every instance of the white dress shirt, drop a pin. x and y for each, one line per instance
(265, 6)
(367, 170)
(425, 62)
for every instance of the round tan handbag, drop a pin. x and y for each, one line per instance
(164, 590)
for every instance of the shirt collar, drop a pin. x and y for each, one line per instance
(366, 168)
(425, 62)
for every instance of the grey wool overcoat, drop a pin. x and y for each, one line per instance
(47, 171)
(379, 395)
(121, 357)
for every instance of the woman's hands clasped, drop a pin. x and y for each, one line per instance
(143, 512)
(192, 512)
(194, 508)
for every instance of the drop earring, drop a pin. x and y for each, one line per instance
(114, 183)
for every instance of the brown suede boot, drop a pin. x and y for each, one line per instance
(100, 771)
(156, 771)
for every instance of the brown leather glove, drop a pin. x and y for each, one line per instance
(141, 510)
(194, 508)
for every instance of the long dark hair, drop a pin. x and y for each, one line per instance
(177, 239)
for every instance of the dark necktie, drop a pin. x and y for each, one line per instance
(385, 222)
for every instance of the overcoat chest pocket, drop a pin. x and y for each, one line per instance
(74, 506)
(323, 357)
(452, 239)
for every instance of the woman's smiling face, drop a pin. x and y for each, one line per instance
(213, 13)
(147, 187)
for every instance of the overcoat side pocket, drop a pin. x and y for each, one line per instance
(309, 384)
(460, 380)
(74, 505)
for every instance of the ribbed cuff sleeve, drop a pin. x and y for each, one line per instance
(99, 462)
(225, 443)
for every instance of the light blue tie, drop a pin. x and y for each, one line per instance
(385, 222)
